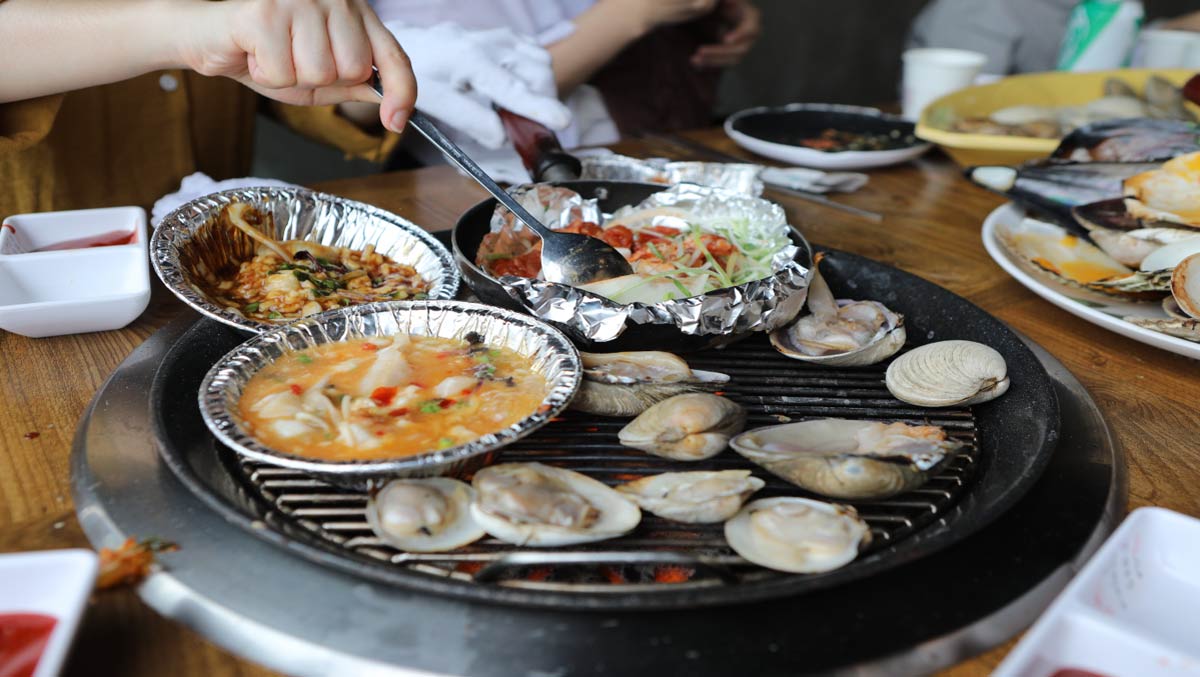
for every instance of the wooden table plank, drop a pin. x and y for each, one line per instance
(931, 228)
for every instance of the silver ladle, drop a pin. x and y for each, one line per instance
(567, 258)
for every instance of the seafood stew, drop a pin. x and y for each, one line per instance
(294, 278)
(388, 397)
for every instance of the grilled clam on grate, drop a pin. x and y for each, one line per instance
(423, 515)
(797, 535)
(626, 384)
(695, 497)
(536, 504)
(948, 373)
(840, 332)
(690, 427)
(847, 459)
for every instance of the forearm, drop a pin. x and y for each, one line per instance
(51, 46)
(600, 34)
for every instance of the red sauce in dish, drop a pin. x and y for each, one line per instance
(1076, 672)
(23, 637)
(109, 239)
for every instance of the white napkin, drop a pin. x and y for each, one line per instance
(813, 180)
(199, 185)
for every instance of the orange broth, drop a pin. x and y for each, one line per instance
(388, 397)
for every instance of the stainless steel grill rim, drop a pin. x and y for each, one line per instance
(552, 354)
(183, 242)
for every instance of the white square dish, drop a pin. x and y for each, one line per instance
(55, 583)
(81, 288)
(1130, 611)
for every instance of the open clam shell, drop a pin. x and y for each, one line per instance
(947, 374)
(189, 244)
(699, 497)
(689, 427)
(1131, 247)
(628, 383)
(551, 354)
(424, 515)
(1185, 285)
(845, 459)
(540, 505)
(797, 535)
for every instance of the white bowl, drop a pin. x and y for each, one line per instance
(1130, 611)
(70, 291)
(55, 583)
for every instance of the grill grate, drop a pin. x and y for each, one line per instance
(660, 553)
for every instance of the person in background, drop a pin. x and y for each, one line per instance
(159, 89)
(621, 66)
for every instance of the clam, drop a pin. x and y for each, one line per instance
(689, 427)
(1156, 271)
(694, 497)
(840, 332)
(947, 374)
(797, 535)
(1131, 247)
(423, 515)
(1185, 286)
(535, 504)
(846, 459)
(626, 384)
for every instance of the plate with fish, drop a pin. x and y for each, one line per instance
(1072, 273)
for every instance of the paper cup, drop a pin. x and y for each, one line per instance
(1168, 49)
(932, 72)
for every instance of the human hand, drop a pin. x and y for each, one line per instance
(745, 24)
(462, 73)
(303, 52)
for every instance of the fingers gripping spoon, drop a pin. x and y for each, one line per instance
(567, 258)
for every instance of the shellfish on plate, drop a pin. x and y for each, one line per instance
(840, 332)
(626, 384)
(698, 497)
(432, 514)
(797, 535)
(536, 504)
(689, 427)
(852, 460)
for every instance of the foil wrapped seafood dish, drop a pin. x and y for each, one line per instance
(254, 258)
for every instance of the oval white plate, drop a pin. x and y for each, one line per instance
(1098, 310)
(809, 157)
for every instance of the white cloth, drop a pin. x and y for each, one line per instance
(544, 21)
(813, 180)
(199, 185)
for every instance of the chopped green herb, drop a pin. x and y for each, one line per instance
(274, 315)
(303, 359)
(252, 307)
(420, 296)
(344, 301)
(431, 406)
(445, 443)
(400, 295)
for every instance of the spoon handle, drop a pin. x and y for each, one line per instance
(425, 126)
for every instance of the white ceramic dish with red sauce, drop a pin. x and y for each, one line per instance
(1130, 611)
(51, 584)
(73, 272)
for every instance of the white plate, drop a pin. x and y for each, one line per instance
(1096, 308)
(1130, 611)
(55, 583)
(810, 157)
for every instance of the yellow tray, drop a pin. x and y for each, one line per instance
(1056, 88)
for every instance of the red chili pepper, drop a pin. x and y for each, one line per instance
(446, 403)
(370, 346)
(379, 433)
(383, 395)
(396, 413)
(467, 391)
(443, 355)
(296, 389)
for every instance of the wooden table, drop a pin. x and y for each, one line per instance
(932, 226)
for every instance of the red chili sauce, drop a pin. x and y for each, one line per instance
(109, 239)
(23, 637)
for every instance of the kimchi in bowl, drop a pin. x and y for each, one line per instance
(371, 392)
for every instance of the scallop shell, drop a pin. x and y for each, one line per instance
(532, 504)
(797, 535)
(948, 373)
(852, 460)
(689, 427)
(424, 515)
(695, 497)
(1185, 286)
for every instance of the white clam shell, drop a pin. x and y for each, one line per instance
(1185, 285)
(948, 373)
(699, 497)
(615, 514)
(797, 535)
(689, 427)
(402, 515)
(887, 341)
(1170, 256)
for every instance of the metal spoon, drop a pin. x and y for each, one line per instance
(567, 258)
